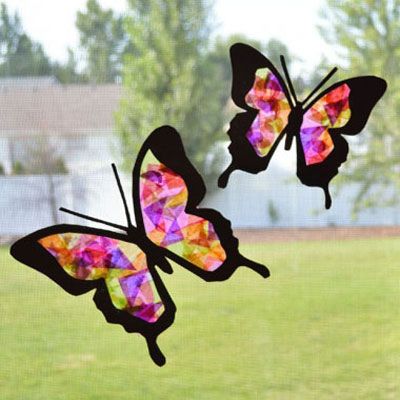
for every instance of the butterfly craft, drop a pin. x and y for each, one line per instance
(273, 111)
(122, 267)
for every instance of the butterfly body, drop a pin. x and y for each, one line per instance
(122, 268)
(272, 112)
(295, 121)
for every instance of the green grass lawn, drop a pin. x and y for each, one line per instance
(325, 325)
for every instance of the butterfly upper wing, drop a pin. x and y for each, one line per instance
(343, 108)
(129, 290)
(331, 111)
(258, 88)
(167, 191)
(266, 96)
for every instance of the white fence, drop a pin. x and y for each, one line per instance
(26, 201)
(271, 199)
(276, 198)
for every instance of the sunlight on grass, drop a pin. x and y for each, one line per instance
(324, 326)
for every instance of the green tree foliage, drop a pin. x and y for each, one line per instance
(102, 38)
(176, 75)
(367, 35)
(18, 168)
(68, 72)
(169, 79)
(19, 55)
(273, 213)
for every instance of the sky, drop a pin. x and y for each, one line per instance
(293, 22)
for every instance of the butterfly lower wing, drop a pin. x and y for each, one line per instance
(258, 88)
(343, 108)
(169, 190)
(129, 291)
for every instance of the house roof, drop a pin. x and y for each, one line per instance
(43, 108)
(27, 81)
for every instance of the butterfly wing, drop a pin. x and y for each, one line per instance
(167, 191)
(258, 88)
(343, 108)
(129, 291)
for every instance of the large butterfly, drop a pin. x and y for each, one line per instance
(122, 267)
(273, 111)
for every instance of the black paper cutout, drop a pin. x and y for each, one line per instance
(365, 91)
(166, 145)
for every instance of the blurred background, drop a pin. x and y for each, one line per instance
(82, 84)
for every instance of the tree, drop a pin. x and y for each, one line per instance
(102, 38)
(68, 72)
(42, 158)
(169, 79)
(175, 75)
(367, 35)
(19, 55)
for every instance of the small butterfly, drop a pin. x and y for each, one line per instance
(122, 267)
(273, 111)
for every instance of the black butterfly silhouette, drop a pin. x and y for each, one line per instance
(273, 111)
(122, 267)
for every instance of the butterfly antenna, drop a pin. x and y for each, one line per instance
(123, 228)
(322, 83)
(290, 84)
(121, 191)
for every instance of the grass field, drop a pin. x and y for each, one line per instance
(325, 325)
